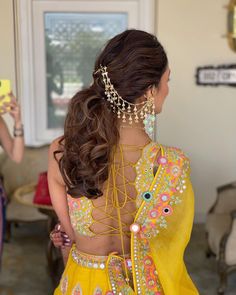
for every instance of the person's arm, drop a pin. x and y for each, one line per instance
(14, 147)
(57, 191)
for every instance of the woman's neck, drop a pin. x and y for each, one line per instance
(133, 134)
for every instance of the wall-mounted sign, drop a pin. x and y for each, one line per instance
(215, 76)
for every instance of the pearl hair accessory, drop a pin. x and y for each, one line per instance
(127, 111)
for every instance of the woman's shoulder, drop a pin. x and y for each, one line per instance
(174, 156)
(175, 151)
(56, 143)
(56, 147)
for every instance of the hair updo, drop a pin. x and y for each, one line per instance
(135, 60)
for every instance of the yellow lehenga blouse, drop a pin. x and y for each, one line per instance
(158, 221)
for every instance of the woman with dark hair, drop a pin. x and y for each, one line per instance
(125, 201)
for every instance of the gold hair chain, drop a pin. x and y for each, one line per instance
(123, 108)
(128, 111)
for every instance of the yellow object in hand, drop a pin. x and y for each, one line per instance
(5, 97)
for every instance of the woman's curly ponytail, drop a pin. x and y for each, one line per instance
(135, 61)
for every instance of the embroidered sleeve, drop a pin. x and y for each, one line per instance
(165, 193)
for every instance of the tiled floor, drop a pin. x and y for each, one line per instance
(24, 264)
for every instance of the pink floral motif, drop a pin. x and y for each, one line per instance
(150, 274)
(154, 149)
(147, 261)
(154, 214)
(73, 203)
(98, 291)
(80, 211)
(173, 190)
(162, 160)
(164, 197)
(151, 283)
(174, 169)
(77, 290)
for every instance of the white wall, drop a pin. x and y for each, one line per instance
(201, 120)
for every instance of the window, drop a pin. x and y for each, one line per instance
(72, 42)
(58, 42)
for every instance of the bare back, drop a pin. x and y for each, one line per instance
(102, 225)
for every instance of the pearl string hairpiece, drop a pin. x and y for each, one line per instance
(127, 111)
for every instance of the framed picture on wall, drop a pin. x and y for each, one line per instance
(216, 76)
(57, 44)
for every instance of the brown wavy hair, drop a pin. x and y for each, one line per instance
(135, 60)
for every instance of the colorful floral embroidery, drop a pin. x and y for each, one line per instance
(77, 290)
(153, 214)
(144, 169)
(81, 215)
(145, 273)
(116, 276)
(64, 285)
(162, 160)
(98, 291)
(156, 200)
(165, 192)
(164, 197)
(150, 274)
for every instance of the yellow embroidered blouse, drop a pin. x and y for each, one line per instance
(161, 221)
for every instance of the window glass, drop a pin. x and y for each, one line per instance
(72, 42)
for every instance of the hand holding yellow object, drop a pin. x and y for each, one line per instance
(5, 96)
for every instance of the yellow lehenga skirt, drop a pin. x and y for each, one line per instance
(95, 275)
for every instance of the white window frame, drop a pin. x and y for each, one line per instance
(27, 16)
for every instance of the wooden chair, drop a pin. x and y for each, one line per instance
(17, 175)
(221, 232)
(24, 196)
(20, 180)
